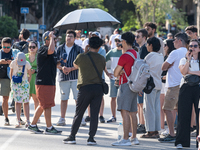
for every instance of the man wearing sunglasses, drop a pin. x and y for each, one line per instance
(5, 60)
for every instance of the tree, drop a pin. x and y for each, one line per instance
(156, 11)
(8, 27)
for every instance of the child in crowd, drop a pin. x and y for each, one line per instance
(20, 73)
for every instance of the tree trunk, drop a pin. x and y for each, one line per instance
(139, 17)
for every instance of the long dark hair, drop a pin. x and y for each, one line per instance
(195, 40)
(170, 44)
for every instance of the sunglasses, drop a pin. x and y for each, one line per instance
(137, 37)
(6, 47)
(32, 47)
(117, 41)
(165, 45)
(195, 46)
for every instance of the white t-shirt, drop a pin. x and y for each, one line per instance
(112, 39)
(78, 42)
(18, 69)
(85, 43)
(194, 66)
(174, 75)
(68, 50)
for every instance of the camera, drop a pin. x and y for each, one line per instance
(119, 45)
(56, 31)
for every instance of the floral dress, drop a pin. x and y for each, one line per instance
(20, 91)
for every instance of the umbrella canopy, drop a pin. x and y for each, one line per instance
(86, 19)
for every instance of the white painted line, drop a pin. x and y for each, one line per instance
(5, 145)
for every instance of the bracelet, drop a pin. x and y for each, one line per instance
(188, 61)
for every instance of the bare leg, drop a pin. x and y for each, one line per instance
(113, 106)
(47, 115)
(38, 113)
(126, 123)
(162, 115)
(26, 110)
(174, 114)
(141, 118)
(193, 118)
(36, 102)
(133, 119)
(88, 110)
(18, 110)
(63, 107)
(101, 108)
(5, 106)
(170, 121)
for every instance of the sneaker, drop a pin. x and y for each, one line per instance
(61, 122)
(91, 141)
(22, 122)
(141, 129)
(166, 132)
(111, 119)
(179, 146)
(167, 139)
(134, 141)
(193, 134)
(161, 131)
(34, 129)
(69, 140)
(6, 123)
(52, 131)
(83, 123)
(101, 119)
(122, 142)
(87, 119)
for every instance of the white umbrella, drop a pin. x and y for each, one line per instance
(86, 19)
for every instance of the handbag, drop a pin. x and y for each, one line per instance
(149, 86)
(104, 84)
(192, 80)
(18, 79)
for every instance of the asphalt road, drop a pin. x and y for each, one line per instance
(20, 139)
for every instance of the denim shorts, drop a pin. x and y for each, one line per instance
(65, 87)
(113, 88)
(140, 99)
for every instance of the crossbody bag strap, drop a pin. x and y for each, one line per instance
(23, 70)
(95, 67)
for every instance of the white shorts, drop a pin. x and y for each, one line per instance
(164, 89)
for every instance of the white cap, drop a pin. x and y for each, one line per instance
(118, 37)
(97, 33)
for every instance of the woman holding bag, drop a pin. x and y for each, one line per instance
(188, 94)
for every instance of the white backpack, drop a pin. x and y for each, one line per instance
(140, 72)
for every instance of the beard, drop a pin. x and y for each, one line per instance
(150, 34)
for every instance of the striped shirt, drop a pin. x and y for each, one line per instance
(73, 75)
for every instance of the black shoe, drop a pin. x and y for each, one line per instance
(70, 140)
(87, 119)
(6, 123)
(101, 119)
(141, 129)
(91, 141)
(52, 131)
(194, 127)
(167, 139)
(191, 129)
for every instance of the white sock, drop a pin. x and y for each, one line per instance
(33, 125)
(49, 127)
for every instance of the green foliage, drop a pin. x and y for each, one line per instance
(156, 10)
(89, 4)
(8, 27)
(129, 20)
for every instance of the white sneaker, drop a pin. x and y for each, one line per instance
(83, 123)
(179, 146)
(161, 131)
(61, 122)
(193, 134)
(166, 132)
(134, 141)
(122, 142)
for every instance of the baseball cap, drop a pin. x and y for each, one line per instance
(21, 59)
(169, 34)
(96, 33)
(45, 36)
(118, 37)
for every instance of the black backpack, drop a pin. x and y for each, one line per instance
(22, 48)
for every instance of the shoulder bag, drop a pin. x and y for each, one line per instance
(104, 84)
(18, 79)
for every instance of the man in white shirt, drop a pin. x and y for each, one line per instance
(78, 41)
(112, 38)
(86, 41)
(173, 80)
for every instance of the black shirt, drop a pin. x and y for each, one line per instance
(46, 66)
(143, 52)
(4, 56)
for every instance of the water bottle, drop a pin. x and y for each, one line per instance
(120, 131)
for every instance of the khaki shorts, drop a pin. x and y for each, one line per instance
(171, 98)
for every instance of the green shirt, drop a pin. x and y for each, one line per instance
(86, 73)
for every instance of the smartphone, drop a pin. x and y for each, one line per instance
(6, 59)
(190, 51)
(120, 45)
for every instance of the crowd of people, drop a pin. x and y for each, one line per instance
(29, 71)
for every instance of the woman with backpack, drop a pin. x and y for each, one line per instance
(151, 105)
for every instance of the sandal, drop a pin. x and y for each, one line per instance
(151, 135)
(27, 123)
(17, 124)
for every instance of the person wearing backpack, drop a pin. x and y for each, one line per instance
(23, 44)
(126, 99)
(151, 105)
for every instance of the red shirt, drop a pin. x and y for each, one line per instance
(126, 61)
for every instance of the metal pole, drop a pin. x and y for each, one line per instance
(25, 20)
(43, 13)
(198, 17)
